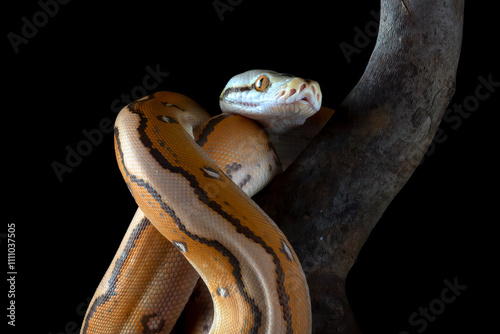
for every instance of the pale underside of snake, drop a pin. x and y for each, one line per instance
(192, 177)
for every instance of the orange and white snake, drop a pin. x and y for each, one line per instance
(191, 176)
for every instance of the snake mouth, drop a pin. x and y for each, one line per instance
(279, 114)
(282, 117)
(307, 101)
(303, 106)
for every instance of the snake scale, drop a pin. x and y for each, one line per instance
(192, 177)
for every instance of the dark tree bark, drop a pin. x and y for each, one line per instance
(331, 197)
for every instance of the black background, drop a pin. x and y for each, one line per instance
(442, 225)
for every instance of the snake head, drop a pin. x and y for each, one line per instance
(278, 101)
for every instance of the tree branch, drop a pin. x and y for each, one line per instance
(331, 197)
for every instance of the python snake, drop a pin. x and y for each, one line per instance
(191, 176)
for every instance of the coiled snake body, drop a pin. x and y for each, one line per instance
(194, 205)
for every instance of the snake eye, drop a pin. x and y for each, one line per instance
(262, 83)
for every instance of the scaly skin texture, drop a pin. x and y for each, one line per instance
(253, 275)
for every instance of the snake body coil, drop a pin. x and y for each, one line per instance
(194, 204)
